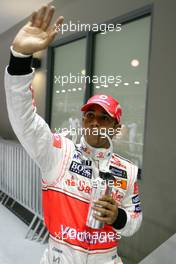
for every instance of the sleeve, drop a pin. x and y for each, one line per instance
(32, 130)
(130, 213)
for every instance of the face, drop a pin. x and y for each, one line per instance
(96, 121)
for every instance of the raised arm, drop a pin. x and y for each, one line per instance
(32, 131)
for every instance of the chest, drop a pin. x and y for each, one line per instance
(82, 171)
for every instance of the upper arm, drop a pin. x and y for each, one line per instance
(31, 129)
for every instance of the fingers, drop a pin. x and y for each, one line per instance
(33, 17)
(52, 31)
(55, 28)
(108, 208)
(104, 204)
(40, 16)
(103, 211)
(48, 17)
(106, 216)
(107, 198)
(58, 23)
(42, 19)
(102, 219)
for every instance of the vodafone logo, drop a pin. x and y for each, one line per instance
(103, 97)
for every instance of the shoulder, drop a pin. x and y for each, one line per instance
(124, 167)
(121, 161)
(60, 141)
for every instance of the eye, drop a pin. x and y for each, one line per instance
(105, 118)
(89, 115)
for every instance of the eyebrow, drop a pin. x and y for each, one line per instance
(104, 112)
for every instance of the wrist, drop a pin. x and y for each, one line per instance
(121, 219)
(17, 53)
(19, 65)
(115, 217)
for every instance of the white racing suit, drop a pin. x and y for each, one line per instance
(67, 170)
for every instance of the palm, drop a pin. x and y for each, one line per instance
(31, 38)
(37, 34)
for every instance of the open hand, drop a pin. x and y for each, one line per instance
(37, 34)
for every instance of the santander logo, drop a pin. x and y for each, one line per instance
(117, 162)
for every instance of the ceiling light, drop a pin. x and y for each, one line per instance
(136, 82)
(83, 72)
(80, 89)
(97, 86)
(126, 84)
(135, 63)
(74, 89)
(63, 91)
(116, 84)
(104, 85)
(57, 92)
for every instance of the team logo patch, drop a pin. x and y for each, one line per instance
(57, 141)
(118, 172)
(81, 169)
(138, 208)
(116, 161)
(117, 196)
(136, 199)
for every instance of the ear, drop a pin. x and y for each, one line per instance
(83, 118)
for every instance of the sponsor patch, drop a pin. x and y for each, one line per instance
(138, 208)
(120, 184)
(57, 141)
(136, 190)
(136, 199)
(135, 215)
(115, 160)
(117, 196)
(81, 169)
(77, 157)
(118, 172)
(100, 155)
(87, 162)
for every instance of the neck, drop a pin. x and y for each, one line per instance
(99, 153)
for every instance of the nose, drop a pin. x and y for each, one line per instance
(95, 122)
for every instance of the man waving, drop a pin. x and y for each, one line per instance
(68, 169)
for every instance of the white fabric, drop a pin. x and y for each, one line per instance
(36, 137)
